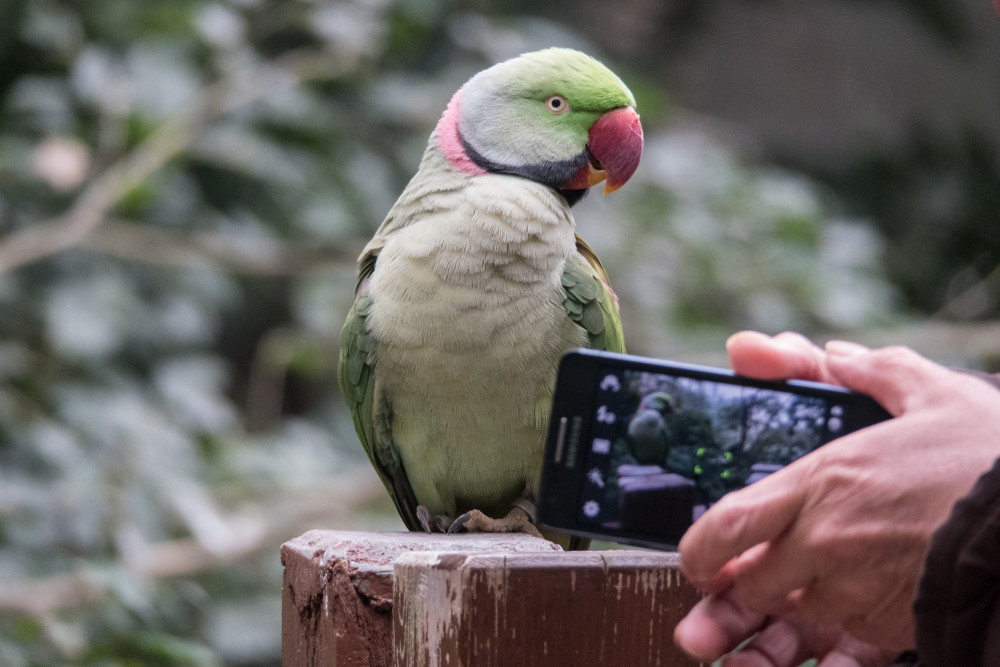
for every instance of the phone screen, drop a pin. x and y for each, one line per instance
(663, 448)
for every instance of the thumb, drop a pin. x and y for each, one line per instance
(787, 355)
(897, 377)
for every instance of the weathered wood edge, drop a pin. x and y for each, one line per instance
(434, 624)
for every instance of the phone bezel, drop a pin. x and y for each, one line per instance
(571, 421)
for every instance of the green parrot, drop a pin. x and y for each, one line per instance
(476, 284)
(648, 434)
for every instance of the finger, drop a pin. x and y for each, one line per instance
(862, 604)
(787, 642)
(840, 660)
(715, 626)
(773, 577)
(787, 355)
(852, 652)
(897, 377)
(739, 521)
(749, 658)
(778, 644)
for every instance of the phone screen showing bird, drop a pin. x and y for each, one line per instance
(639, 448)
(663, 448)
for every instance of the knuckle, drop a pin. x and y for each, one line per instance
(731, 519)
(895, 355)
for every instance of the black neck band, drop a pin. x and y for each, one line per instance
(552, 174)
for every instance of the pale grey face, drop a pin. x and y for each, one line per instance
(531, 116)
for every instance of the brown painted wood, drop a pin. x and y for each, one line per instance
(337, 598)
(581, 609)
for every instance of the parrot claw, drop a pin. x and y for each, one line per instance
(518, 520)
(424, 517)
(431, 523)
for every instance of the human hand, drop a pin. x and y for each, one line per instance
(717, 621)
(833, 544)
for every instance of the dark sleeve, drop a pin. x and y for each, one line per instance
(957, 609)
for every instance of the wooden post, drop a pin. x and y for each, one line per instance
(417, 600)
(582, 609)
(336, 603)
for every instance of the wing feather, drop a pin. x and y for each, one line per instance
(370, 410)
(590, 301)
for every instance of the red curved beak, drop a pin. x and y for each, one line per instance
(615, 145)
(616, 142)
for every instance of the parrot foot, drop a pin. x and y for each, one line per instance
(431, 523)
(519, 520)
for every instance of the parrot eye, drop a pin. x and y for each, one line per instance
(557, 104)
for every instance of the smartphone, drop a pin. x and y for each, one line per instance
(639, 448)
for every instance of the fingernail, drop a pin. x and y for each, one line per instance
(746, 334)
(693, 642)
(843, 348)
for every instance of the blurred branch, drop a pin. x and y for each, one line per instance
(237, 253)
(334, 500)
(239, 88)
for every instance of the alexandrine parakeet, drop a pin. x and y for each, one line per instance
(476, 284)
(648, 434)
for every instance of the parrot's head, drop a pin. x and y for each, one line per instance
(556, 116)
(659, 401)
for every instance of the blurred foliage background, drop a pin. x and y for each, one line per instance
(184, 187)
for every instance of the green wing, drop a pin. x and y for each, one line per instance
(590, 301)
(369, 407)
